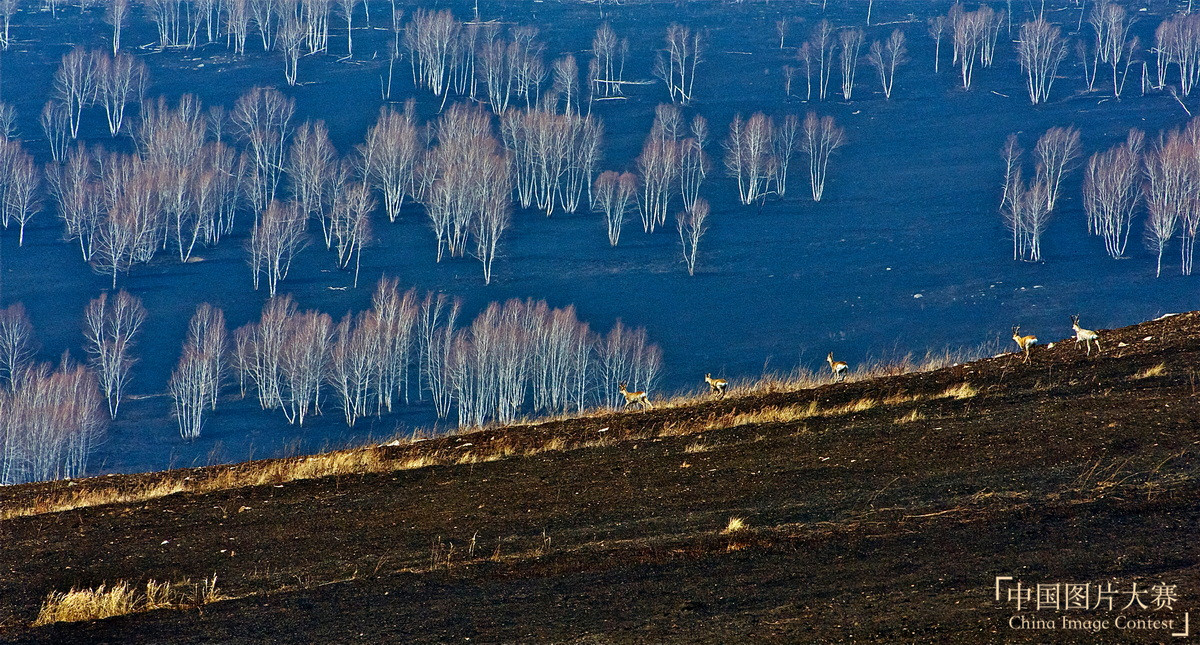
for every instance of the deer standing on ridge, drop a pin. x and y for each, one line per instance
(716, 385)
(1086, 335)
(1024, 342)
(641, 398)
(839, 368)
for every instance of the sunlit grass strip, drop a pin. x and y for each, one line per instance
(122, 598)
(373, 460)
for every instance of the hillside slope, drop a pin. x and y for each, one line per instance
(880, 510)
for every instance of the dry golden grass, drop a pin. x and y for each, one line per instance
(255, 474)
(123, 598)
(961, 391)
(772, 414)
(861, 405)
(1149, 372)
(901, 399)
(914, 415)
(695, 447)
(87, 604)
(735, 524)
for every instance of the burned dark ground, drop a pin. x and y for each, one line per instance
(864, 521)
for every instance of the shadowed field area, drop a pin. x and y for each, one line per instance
(879, 511)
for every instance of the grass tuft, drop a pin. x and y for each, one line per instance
(960, 391)
(735, 524)
(122, 598)
(915, 415)
(1150, 372)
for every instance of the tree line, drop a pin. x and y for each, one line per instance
(52, 417)
(1161, 179)
(519, 357)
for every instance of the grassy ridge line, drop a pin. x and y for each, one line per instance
(489, 444)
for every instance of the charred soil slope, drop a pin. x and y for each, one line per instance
(879, 511)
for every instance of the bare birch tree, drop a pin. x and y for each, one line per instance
(676, 64)
(75, 84)
(1056, 153)
(750, 155)
(822, 45)
(279, 234)
(692, 225)
(121, 80)
(608, 69)
(116, 14)
(886, 57)
(850, 44)
(1110, 192)
(262, 118)
(17, 345)
(821, 138)
(613, 195)
(1040, 49)
(937, 27)
(111, 328)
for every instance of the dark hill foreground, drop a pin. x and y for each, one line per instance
(874, 511)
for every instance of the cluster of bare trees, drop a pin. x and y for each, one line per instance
(1110, 192)
(1177, 43)
(443, 51)
(1112, 45)
(758, 153)
(513, 358)
(677, 62)
(50, 420)
(1166, 176)
(466, 186)
(111, 327)
(20, 187)
(1027, 207)
(817, 53)
(280, 232)
(290, 26)
(1171, 189)
(87, 78)
(606, 71)
(477, 60)
(514, 68)
(182, 189)
(1040, 50)
(195, 384)
(525, 356)
(184, 184)
(817, 56)
(553, 156)
(974, 35)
